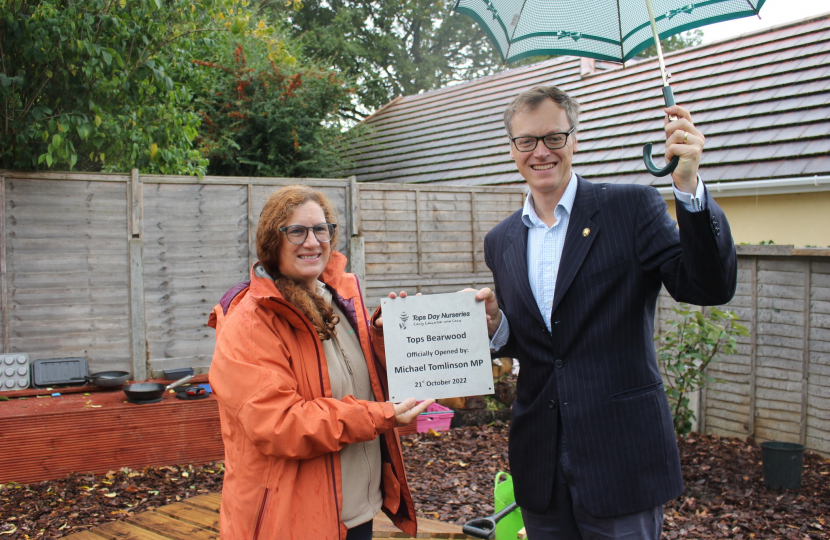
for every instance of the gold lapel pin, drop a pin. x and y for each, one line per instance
(586, 231)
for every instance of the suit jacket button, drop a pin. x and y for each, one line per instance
(552, 404)
(559, 363)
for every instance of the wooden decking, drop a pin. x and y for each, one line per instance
(198, 519)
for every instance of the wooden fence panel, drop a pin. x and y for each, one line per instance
(124, 270)
(65, 270)
(195, 249)
(388, 223)
(446, 232)
(779, 357)
(777, 386)
(429, 239)
(76, 249)
(490, 210)
(727, 400)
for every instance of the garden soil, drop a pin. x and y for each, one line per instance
(451, 475)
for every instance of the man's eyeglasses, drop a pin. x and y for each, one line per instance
(554, 141)
(297, 234)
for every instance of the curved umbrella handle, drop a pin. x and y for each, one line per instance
(653, 168)
(668, 97)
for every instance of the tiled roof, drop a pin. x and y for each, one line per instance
(762, 100)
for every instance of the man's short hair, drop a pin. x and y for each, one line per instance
(531, 99)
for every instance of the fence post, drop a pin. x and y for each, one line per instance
(138, 328)
(4, 289)
(418, 235)
(753, 347)
(252, 255)
(805, 358)
(474, 226)
(357, 247)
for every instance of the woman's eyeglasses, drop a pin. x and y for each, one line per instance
(297, 234)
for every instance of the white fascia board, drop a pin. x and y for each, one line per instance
(761, 187)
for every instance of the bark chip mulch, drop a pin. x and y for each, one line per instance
(57, 508)
(724, 497)
(451, 475)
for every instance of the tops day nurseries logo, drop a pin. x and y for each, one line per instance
(404, 318)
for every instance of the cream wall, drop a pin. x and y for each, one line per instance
(800, 219)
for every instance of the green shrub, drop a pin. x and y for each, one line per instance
(693, 341)
(263, 118)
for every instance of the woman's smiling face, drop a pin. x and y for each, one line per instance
(305, 262)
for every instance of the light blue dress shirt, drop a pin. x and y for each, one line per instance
(544, 249)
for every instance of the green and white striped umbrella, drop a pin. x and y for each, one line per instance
(614, 30)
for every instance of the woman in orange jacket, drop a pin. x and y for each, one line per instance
(311, 451)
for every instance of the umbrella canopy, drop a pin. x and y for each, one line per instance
(613, 30)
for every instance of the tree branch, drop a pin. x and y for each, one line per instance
(34, 97)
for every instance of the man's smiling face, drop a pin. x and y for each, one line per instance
(546, 171)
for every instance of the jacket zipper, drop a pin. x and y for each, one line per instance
(313, 333)
(261, 513)
(345, 359)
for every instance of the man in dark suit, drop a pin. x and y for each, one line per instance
(577, 273)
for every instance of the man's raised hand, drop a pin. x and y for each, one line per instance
(684, 140)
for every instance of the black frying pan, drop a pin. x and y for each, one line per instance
(106, 379)
(147, 391)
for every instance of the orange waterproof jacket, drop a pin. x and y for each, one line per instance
(281, 428)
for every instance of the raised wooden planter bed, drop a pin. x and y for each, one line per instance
(49, 437)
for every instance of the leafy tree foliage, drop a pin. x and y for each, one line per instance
(96, 84)
(261, 118)
(84, 86)
(392, 47)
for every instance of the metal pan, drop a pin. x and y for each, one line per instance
(106, 379)
(150, 391)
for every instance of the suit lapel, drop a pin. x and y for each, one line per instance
(515, 260)
(577, 242)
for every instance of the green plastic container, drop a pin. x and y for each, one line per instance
(510, 525)
(782, 464)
